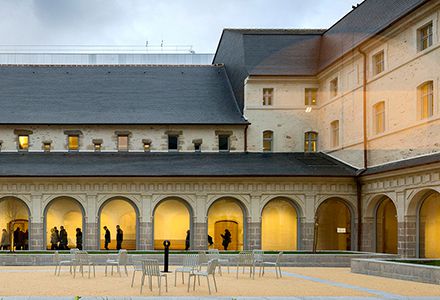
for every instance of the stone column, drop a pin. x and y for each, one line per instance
(200, 236)
(90, 236)
(36, 236)
(145, 236)
(368, 242)
(407, 237)
(254, 235)
(307, 232)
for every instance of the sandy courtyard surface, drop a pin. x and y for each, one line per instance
(41, 281)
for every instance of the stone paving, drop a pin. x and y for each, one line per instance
(297, 283)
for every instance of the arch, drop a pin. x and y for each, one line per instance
(386, 226)
(15, 214)
(280, 224)
(334, 219)
(63, 211)
(123, 211)
(374, 201)
(227, 213)
(428, 225)
(172, 217)
(416, 198)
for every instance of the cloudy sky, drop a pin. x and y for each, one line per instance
(177, 22)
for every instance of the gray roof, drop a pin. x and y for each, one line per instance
(404, 164)
(171, 165)
(368, 19)
(117, 95)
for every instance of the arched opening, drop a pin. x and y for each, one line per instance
(429, 227)
(119, 211)
(171, 222)
(386, 227)
(67, 213)
(14, 220)
(226, 214)
(279, 225)
(333, 220)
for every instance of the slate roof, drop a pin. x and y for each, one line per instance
(404, 164)
(171, 165)
(117, 95)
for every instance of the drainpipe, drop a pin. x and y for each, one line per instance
(365, 146)
(245, 137)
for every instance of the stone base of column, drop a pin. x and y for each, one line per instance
(36, 237)
(200, 236)
(254, 235)
(90, 237)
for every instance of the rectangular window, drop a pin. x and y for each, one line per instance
(267, 96)
(267, 141)
(73, 142)
(223, 142)
(310, 141)
(311, 96)
(426, 95)
(378, 63)
(379, 117)
(122, 142)
(425, 37)
(197, 147)
(334, 87)
(335, 133)
(173, 141)
(23, 142)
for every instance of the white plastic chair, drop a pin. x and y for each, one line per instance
(276, 264)
(258, 258)
(246, 259)
(137, 267)
(190, 263)
(83, 259)
(150, 268)
(210, 270)
(121, 260)
(215, 254)
(58, 263)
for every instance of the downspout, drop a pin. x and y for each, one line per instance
(365, 152)
(245, 138)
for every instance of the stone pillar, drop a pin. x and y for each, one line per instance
(407, 237)
(90, 237)
(199, 236)
(36, 236)
(145, 236)
(368, 242)
(307, 232)
(253, 235)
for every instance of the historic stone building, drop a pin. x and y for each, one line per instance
(291, 139)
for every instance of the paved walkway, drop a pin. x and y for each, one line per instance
(301, 283)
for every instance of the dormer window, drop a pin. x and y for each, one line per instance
(147, 145)
(122, 142)
(23, 140)
(97, 144)
(173, 142)
(197, 145)
(47, 146)
(73, 139)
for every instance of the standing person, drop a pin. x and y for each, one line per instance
(210, 241)
(106, 237)
(63, 238)
(57, 235)
(53, 240)
(119, 237)
(79, 239)
(5, 242)
(17, 238)
(226, 239)
(26, 240)
(187, 239)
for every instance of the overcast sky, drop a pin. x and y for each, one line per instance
(177, 22)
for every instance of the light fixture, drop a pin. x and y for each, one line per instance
(308, 109)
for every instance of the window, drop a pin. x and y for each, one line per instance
(223, 142)
(426, 100)
(310, 141)
(173, 142)
(424, 35)
(73, 142)
(379, 117)
(311, 96)
(334, 87)
(147, 144)
(267, 141)
(197, 145)
(334, 127)
(378, 63)
(47, 146)
(267, 96)
(123, 142)
(23, 142)
(97, 144)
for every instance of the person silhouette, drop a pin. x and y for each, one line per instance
(226, 239)
(187, 239)
(107, 238)
(119, 237)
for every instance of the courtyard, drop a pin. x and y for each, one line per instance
(316, 283)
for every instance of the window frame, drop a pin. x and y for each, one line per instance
(228, 139)
(69, 142)
(176, 136)
(375, 63)
(119, 137)
(429, 37)
(19, 144)
(308, 96)
(310, 138)
(376, 114)
(270, 97)
(334, 87)
(335, 133)
(430, 101)
(270, 140)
